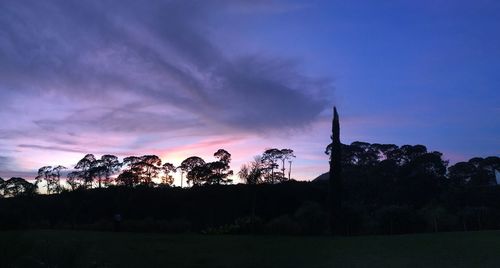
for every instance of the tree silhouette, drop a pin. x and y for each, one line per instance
(335, 177)
(111, 165)
(73, 179)
(128, 178)
(86, 172)
(17, 187)
(2, 187)
(188, 165)
(145, 168)
(167, 169)
(411, 152)
(251, 173)
(475, 172)
(269, 160)
(199, 175)
(45, 173)
(286, 155)
(223, 156)
(96, 171)
(56, 179)
(244, 173)
(150, 166)
(132, 173)
(52, 177)
(220, 169)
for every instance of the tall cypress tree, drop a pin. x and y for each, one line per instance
(335, 176)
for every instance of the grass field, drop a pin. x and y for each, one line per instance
(96, 249)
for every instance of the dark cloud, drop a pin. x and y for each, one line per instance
(120, 52)
(126, 119)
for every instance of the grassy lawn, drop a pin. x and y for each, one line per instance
(96, 249)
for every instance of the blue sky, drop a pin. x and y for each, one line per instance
(415, 71)
(182, 78)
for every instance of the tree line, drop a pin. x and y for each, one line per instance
(150, 171)
(386, 189)
(401, 187)
(388, 166)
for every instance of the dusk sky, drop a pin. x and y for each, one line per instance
(182, 78)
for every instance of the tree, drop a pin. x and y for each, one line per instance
(251, 173)
(18, 187)
(461, 173)
(44, 173)
(151, 164)
(420, 179)
(73, 179)
(96, 171)
(335, 176)
(217, 172)
(269, 160)
(2, 187)
(199, 175)
(86, 173)
(89, 168)
(433, 215)
(128, 178)
(111, 165)
(364, 154)
(145, 168)
(430, 165)
(52, 177)
(286, 155)
(56, 179)
(475, 172)
(131, 175)
(223, 156)
(130, 161)
(189, 164)
(244, 173)
(385, 151)
(220, 169)
(411, 152)
(167, 169)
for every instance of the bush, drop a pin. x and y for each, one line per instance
(312, 218)
(249, 225)
(438, 218)
(151, 225)
(283, 225)
(398, 220)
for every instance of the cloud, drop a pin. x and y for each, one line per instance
(266, 6)
(126, 56)
(51, 148)
(115, 120)
(6, 169)
(4, 162)
(128, 78)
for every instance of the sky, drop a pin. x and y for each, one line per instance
(181, 78)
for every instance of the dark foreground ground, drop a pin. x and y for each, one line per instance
(99, 249)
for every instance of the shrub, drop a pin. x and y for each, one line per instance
(312, 218)
(284, 225)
